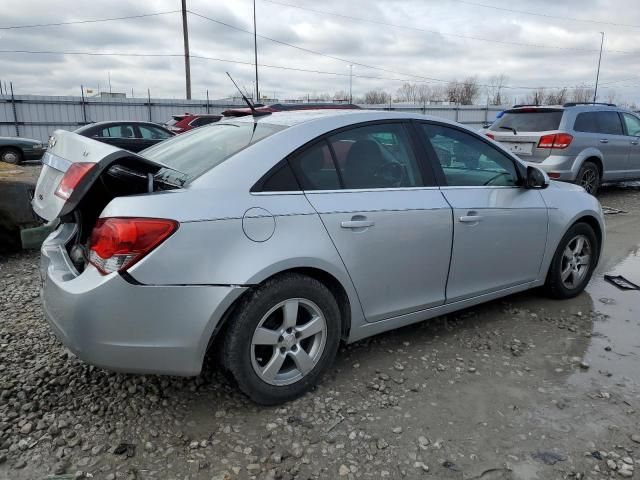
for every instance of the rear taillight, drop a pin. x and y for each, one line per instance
(118, 243)
(72, 178)
(554, 174)
(555, 140)
(490, 135)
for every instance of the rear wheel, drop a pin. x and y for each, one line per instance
(284, 335)
(573, 262)
(11, 155)
(589, 177)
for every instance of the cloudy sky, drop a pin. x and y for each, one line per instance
(405, 40)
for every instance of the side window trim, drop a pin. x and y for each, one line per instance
(435, 162)
(429, 176)
(334, 159)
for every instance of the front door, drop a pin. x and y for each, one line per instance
(391, 226)
(500, 228)
(632, 131)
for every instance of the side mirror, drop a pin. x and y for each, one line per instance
(536, 178)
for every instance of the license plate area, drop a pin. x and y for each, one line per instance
(519, 148)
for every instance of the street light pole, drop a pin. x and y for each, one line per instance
(350, 83)
(595, 91)
(255, 50)
(187, 60)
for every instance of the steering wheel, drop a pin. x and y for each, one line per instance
(391, 174)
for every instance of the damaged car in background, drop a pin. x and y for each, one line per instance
(266, 241)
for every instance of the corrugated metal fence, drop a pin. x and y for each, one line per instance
(37, 117)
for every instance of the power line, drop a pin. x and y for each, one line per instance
(436, 32)
(279, 67)
(97, 20)
(545, 15)
(351, 62)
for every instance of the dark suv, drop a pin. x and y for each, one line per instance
(582, 143)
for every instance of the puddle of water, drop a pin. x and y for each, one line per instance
(614, 348)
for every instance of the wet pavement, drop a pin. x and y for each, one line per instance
(520, 388)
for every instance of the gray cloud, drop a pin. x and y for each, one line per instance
(408, 52)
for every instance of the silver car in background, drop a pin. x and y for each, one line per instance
(582, 143)
(267, 241)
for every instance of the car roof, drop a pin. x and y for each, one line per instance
(291, 118)
(115, 123)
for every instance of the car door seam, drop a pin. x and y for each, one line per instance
(453, 233)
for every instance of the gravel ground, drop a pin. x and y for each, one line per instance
(523, 388)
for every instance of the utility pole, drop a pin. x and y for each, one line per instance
(595, 91)
(350, 83)
(187, 61)
(109, 78)
(255, 50)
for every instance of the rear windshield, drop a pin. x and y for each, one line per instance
(537, 121)
(191, 154)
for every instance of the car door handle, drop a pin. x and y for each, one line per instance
(604, 140)
(634, 142)
(470, 218)
(357, 224)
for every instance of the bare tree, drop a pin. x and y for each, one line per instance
(582, 93)
(376, 97)
(463, 93)
(495, 87)
(438, 94)
(341, 95)
(611, 96)
(557, 97)
(536, 97)
(424, 93)
(408, 92)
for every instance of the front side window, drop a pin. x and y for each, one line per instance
(468, 161)
(376, 156)
(633, 124)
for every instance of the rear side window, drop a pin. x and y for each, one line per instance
(119, 131)
(598, 122)
(529, 120)
(191, 154)
(198, 122)
(315, 169)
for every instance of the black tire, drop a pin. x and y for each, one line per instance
(589, 177)
(554, 286)
(238, 350)
(11, 155)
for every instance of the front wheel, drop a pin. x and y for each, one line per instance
(281, 339)
(573, 263)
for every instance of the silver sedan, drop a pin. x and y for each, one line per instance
(268, 241)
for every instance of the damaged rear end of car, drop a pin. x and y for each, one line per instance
(99, 311)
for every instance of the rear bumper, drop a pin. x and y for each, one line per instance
(111, 323)
(564, 166)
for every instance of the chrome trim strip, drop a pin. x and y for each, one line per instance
(54, 161)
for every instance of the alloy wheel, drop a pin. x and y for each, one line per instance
(589, 180)
(288, 341)
(576, 261)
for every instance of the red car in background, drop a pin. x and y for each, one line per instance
(284, 107)
(187, 121)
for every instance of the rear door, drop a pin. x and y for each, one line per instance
(603, 130)
(499, 227)
(632, 131)
(389, 222)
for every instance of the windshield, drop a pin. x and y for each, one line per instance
(191, 154)
(529, 121)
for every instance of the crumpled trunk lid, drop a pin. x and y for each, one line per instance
(67, 148)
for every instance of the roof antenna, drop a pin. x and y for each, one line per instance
(254, 112)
